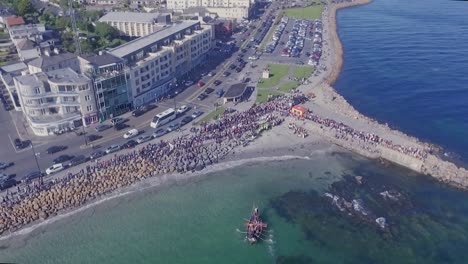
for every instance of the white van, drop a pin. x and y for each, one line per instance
(131, 133)
(54, 168)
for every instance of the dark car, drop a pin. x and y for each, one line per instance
(4, 165)
(120, 126)
(77, 160)
(130, 144)
(97, 154)
(226, 74)
(217, 82)
(209, 90)
(62, 158)
(186, 120)
(202, 97)
(102, 127)
(20, 144)
(138, 112)
(33, 175)
(55, 149)
(92, 138)
(232, 66)
(148, 107)
(8, 184)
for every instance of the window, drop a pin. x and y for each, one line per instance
(37, 90)
(87, 97)
(89, 108)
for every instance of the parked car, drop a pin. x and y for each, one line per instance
(4, 165)
(144, 139)
(173, 127)
(159, 133)
(54, 168)
(20, 144)
(188, 83)
(138, 112)
(200, 84)
(182, 109)
(8, 184)
(102, 127)
(62, 158)
(77, 160)
(117, 120)
(202, 97)
(113, 148)
(211, 74)
(97, 154)
(196, 114)
(186, 120)
(55, 149)
(130, 144)
(32, 175)
(209, 90)
(131, 133)
(219, 92)
(226, 74)
(4, 177)
(217, 82)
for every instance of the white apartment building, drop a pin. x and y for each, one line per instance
(136, 24)
(56, 100)
(224, 8)
(157, 59)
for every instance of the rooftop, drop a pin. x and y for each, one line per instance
(66, 75)
(25, 44)
(14, 67)
(130, 17)
(102, 60)
(235, 90)
(27, 29)
(53, 59)
(145, 41)
(14, 21)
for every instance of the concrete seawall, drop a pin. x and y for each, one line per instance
(401, 159)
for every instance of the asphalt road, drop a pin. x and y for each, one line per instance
(217, 63)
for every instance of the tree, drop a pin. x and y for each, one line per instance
(62, 23)
(25, 7)
(105, 31)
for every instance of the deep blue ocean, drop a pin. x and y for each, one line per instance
(406, 64)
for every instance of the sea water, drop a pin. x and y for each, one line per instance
(405, 64)
(201, 220)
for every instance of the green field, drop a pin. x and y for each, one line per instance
(262, 95)
(277, 72)
(287, 87)
(311, 12)
(303, 71)
(211, 115)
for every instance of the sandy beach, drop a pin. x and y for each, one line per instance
(332, 125)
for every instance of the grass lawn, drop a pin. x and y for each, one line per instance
(277, 72)
(287, 87)
(311, 12)
(262, 95)
(211, 115)
(303, 71)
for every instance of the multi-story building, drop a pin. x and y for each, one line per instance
(136, 24)
(238, 9)
(155, 60)
(32, 32)
(56, 100)
(53, 61)
(7, 73)
(110, 84)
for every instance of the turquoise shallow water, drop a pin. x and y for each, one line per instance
(198, 221)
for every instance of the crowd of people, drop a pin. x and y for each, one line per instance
(209, 144)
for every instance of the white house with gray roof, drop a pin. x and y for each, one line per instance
(56, 100)
(136, 24)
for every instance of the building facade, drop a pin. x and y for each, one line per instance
(238, 9)
(136, 24)
(56, 100)
(156, 60)
(108, 73)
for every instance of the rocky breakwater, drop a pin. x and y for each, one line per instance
(210, 144)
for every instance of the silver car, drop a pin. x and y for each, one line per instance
(113, 148)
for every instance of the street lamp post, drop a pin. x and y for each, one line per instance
(37, 162)
(83, 128)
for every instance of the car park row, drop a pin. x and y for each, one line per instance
(270, 47)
